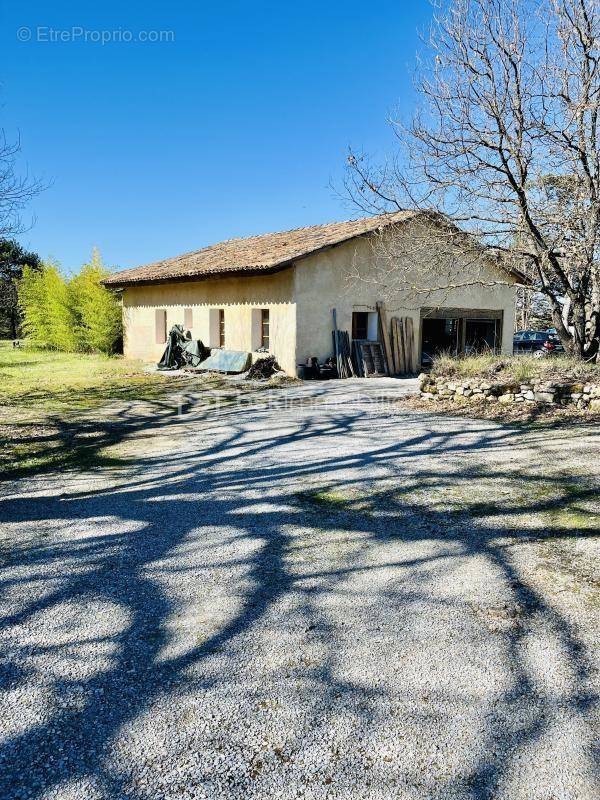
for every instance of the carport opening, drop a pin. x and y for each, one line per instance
(459, 332)
(439, 336)
(481, 336)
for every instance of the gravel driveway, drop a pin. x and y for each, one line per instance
(314, 594)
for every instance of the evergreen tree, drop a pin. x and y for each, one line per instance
(13, 258)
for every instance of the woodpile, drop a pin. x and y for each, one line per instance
(341, 349)
(394, 354)
(263, 369)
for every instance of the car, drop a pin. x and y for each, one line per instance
(552, 346)
(529, 341)
(537, 343)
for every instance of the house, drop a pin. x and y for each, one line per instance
(276, 293)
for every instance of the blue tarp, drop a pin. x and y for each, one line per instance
(227, 361)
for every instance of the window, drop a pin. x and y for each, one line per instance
(188, 318)
(360, 324)
(160, 325)
(221, 327)
(264, 328)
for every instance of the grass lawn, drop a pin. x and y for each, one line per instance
(46, 400)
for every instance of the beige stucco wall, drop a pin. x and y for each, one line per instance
(239, 297)
(323, 282)
(300, 302)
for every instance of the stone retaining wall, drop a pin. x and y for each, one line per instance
(582, 395)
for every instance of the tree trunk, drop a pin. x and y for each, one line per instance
(580, 337)
(13, 323)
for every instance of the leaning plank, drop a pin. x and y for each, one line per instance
(385, 334)
(394, 343)
(411, 364)
(405, 352)
(336, 351)
(399, 340)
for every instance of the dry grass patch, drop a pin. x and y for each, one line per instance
(516, 369)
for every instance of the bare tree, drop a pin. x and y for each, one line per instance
(505, 145)
(532, 310)
(16, 190)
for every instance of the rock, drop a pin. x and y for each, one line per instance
(506, 398)
(544, 397)
(595, 404)
(529, 395)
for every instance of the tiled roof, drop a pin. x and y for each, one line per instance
(265, 253)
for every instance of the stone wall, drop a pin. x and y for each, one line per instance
(582, 395)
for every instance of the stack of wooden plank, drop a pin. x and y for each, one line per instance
(341, 348)
(398, 342)
(402, 341)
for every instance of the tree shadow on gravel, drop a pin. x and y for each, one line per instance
(151, 517)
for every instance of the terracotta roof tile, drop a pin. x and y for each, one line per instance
(265, 253)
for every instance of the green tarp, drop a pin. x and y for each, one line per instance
(182, 351)
(227, 361)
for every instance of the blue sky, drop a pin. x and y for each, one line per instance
(236, 127)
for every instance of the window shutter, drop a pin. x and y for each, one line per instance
(161, 325)
(188, 318)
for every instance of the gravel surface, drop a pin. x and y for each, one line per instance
(313, 594)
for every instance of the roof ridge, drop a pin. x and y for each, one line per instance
(270, 249)
(295, 230)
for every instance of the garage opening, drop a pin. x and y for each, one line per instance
(459, 332)
(439, 336)
(481, 336)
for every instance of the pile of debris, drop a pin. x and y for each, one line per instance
(263, 369)
(182, 350)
